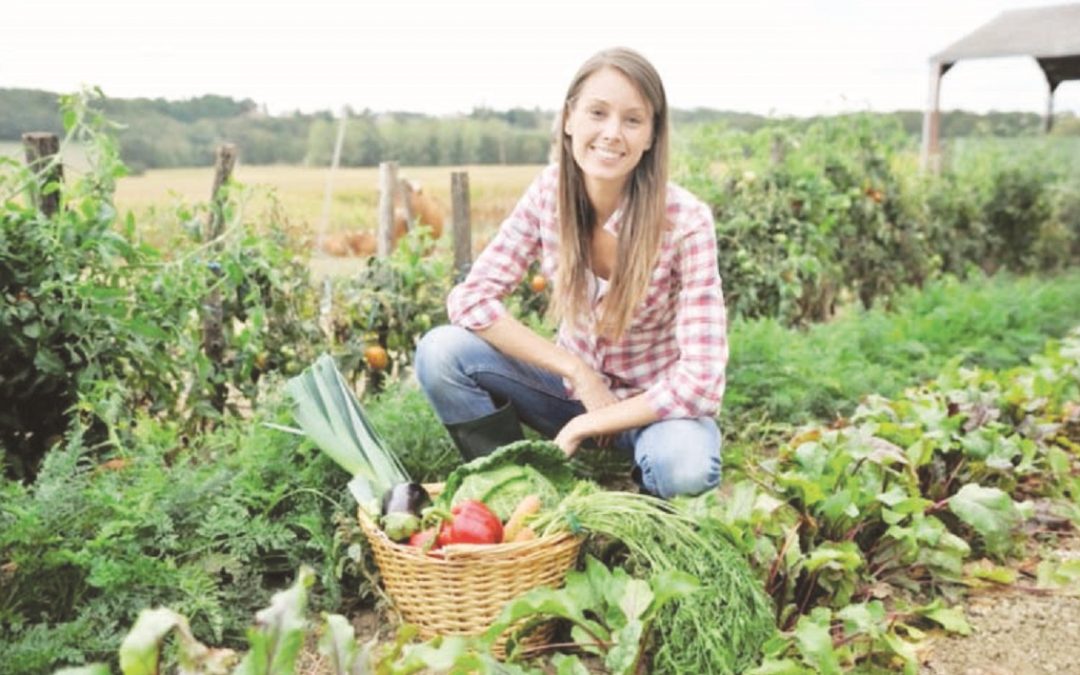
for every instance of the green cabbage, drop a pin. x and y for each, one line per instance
(508, 475)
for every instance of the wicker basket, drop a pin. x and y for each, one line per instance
(462, 588)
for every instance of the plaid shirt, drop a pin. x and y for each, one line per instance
(675, 348)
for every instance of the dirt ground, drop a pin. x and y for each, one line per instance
(1016, 630)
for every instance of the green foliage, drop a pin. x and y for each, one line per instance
(390, 302)
(140, 652)
(278, 636)
(989, 511)
(663, 538)
(807, 217)
(611, 613)
(406, 421)
(203, 524)
(97, 323)
(160, 133)
(393, 301)
(63, 280)
(894, 505)
(863, 637)
(823, 372)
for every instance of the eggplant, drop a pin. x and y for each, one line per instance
(410, 497)
(401, 509)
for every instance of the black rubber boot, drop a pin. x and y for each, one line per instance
(635, 474)
(482, 436)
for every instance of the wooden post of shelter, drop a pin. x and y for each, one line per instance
(930, 157)
(42, 150)
(1048, 121)
(459, 195)
(213, 312)
(388, 182)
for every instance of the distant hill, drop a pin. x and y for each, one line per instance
(163, 133)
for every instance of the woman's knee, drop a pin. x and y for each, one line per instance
(441, 352)
(679, 456)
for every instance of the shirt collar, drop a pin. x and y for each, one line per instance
(614, 222)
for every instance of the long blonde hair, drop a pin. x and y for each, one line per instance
(643, 218)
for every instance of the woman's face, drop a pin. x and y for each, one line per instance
(610, 125)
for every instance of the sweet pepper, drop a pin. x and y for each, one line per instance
(470, 522)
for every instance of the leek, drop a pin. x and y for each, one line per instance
(327, 410)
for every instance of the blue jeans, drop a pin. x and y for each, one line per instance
(461, 372)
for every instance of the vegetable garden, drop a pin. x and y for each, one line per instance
(902, 423)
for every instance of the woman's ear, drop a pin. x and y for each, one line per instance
(566, 116)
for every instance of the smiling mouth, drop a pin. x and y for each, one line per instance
(607, 153)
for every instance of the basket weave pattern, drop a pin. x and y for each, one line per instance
(461, 589)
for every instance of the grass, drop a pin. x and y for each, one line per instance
(793, 377)
(1063, 152)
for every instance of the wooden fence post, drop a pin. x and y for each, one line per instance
(778, 150)
(41, 150)
(384, 239)
(224, 163)
(405, 190)
(213, 312)
(328, 194)
(459, 195)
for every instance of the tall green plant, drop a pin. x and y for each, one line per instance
(205, 524)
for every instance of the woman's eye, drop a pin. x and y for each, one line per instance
(633, 121)
(596, 114)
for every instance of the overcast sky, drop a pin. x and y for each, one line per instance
(784, 57)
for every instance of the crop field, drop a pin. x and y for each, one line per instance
(301, 192)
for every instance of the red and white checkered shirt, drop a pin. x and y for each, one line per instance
(675, 349)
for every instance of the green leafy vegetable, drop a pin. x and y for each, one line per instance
(278, 634)
(503, 488)
(328, 412)
(611, 612)
(664, 538)
(989, 511)
(508, 475)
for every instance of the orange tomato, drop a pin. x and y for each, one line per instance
(538, 283)
(376, 357)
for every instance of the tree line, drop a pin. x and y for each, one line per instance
(159, 133)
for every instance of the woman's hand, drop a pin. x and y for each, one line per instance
(572, 435)
(630, 413)
(593, 392)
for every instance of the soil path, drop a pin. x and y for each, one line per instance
(1015, 632)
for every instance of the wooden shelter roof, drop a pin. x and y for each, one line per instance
(1049, 34)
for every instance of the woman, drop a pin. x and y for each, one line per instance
(641, 348)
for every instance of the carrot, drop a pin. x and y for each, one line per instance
(528, 506)
(524, 534)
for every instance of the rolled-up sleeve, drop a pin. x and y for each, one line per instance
(694, 386)
(476, 302)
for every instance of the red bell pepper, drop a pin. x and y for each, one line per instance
(470, 522)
